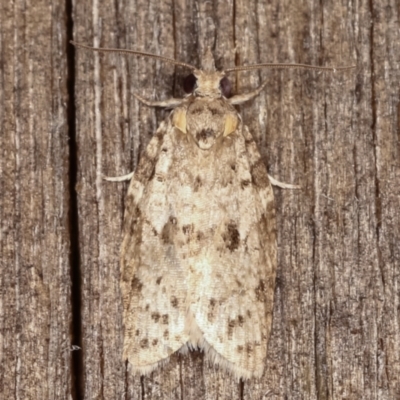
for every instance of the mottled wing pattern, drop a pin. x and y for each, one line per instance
(233, 297)
(198, 257)
(152, 278)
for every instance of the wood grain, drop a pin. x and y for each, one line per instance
(336, 313)
(35, 296)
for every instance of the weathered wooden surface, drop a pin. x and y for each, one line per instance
(35, 303)
(337, 311)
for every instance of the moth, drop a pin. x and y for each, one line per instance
(199, 254)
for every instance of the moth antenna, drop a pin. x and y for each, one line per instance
(287, 66)
(137, 53)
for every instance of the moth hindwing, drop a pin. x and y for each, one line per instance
(198, 257)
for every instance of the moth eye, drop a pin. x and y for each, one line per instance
(226, 87)
(189, 83)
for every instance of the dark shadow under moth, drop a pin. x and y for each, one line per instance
(199, 254)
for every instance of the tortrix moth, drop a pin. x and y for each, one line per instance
(198, 259)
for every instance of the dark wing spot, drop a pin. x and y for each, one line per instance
(270, 208)
(155, 316)
(166, 334)
(154, 342)
(160, 132)
(211, 314)
(239, 348)
(240, 320)
(158, 280)
(231, 236)
(137, 332)
(136, 285)
(248, 314)
(260, 291)
(249, 348)
(231, 326)
(132, 209)
(152, 175)
(144, 343)
(165, 319)
(145, 168)
(165, 235)
(135, 214)
(197, 183)
(174, 302)
(200, 235)
(168, 231)
(259, 174)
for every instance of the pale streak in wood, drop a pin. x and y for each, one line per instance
(35, 310)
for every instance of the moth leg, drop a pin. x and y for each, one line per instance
(282, 185)
(242, 98)
(122, 178)
(169, 103)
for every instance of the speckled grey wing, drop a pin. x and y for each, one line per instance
(152, 280)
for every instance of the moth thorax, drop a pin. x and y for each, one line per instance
(207, 121)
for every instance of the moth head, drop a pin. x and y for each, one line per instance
(207, 84)
(207, 81)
